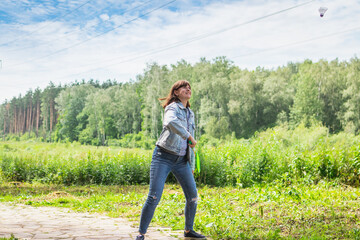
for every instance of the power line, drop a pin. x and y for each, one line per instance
(107, 31)
(266, 50)
(202, 36)
(299, 42)
(28, 34)
(199, 37)
(78, 30)
(240, 24)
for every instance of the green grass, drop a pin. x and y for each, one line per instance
(280, 184)
(10, 238)
(273, 211)
(306, 155)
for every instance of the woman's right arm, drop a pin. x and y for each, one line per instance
(192, 141)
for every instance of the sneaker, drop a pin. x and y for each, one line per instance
(193, 235)
(140, 237)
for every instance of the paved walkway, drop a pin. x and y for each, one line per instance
(27, 222)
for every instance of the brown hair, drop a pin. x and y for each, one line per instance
(171, 97)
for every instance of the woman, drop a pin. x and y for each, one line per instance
(173, 152)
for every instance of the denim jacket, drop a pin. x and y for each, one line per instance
(175, 130)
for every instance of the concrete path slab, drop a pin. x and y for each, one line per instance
(27, 222)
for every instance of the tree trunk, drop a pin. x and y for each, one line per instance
(37, 117)
(51, 116)
(44, 124)
(27, 126)
(30, 117)
(15, 122)
(4, 128)
(18, 127)
(23, 126)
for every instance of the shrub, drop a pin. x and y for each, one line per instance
(302, 154)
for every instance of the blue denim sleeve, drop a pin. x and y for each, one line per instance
(172, 122)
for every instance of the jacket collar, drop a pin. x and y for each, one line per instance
(180, 105)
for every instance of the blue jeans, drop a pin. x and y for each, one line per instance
(161, 165)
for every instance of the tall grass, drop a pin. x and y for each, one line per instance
(303, 154)
(279, 154)
(74, 164)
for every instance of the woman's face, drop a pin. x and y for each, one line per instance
(183, 93)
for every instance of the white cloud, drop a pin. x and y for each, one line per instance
(269, 42)
(104, 17)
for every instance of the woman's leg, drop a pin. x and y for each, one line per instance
(183, 174)
(159, 170)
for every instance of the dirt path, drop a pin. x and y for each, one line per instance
(27, 222)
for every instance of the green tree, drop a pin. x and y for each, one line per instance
(319, 93)
(154, 85)
(127, 109)
(37, 110)
(351, 116)
(98, 109)
(308, 104)
(246, 105)
(278, 96)
(3, 121)
(70, 103)
(48, 109)
(332, 81)
(211, 95)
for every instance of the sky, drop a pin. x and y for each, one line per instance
(69, 40)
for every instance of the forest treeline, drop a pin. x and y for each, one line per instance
(227, 101)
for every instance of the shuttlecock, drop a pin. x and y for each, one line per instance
(322, 11)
